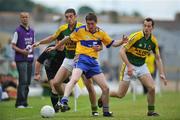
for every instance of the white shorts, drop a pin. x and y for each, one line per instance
(138, 72)
(68, 64)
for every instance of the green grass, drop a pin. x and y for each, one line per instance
(167, 105)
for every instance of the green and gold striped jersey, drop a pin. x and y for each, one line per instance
(70, 46)
(138, 47)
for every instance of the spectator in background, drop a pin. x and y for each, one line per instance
(13, 70)
(22, 42)
(8, 51)
(9, 85)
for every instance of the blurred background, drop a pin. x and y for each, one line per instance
(116, 17)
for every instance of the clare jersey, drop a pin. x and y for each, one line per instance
(70, 46)
(86, 40)
(138, 47)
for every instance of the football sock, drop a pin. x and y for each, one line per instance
(54, 98)
(94, 108)
(151, 108)
(105, 108)
(64, 100)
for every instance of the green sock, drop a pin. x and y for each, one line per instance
(94, 108)
(151, 108)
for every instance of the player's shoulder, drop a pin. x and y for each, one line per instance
(136, 35)
(79, 24)
(63, 27)
(153, 38)
(80, 28)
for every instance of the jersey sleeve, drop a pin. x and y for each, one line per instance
(107, 41)
(15, 38)
(156, 48)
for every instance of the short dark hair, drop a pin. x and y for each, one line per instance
(91, 16)
(70, 10)
(149, 20)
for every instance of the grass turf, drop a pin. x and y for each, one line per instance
(167, 105)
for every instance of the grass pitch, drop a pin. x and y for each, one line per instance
(167, 105)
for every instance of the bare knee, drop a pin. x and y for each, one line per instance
(151, 89)
(105, 90)
(55, 83)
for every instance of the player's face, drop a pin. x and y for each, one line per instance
(147, 27)
(91, 25)
(70, 18)
(24, 17)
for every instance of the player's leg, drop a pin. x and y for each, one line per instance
(54, 96)
(92, 95)
(122, 89)
(101, 81)
(123, 85)
(76, 74)
(60, 76)
(148, 82)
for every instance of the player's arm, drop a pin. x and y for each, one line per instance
(59, 44)
(126, 61)
(37, 75)
(160, 68)
(118, 43)
(38, 65)
(46, 40)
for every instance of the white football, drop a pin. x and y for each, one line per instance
(47, 111)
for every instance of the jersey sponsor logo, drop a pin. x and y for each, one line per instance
(70, 45)
(138, 52)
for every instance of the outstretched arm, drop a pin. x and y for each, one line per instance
(46, 40)
(117, 43)
(59, 44)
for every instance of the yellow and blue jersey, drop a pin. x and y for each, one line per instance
(70, 46)
(138, 48)
(86, 40)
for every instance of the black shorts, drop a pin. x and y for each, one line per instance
(51, 74)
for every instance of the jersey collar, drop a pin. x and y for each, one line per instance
(97, 29)
(75, 26)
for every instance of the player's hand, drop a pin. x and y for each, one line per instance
(25, 52)
(97, 47)
(124, 39)
(36, 44)
(60, 48)
(37, 77)
(130, 70)
(162, 77)
(50, 49)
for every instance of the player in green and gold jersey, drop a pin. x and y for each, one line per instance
(133, 55)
